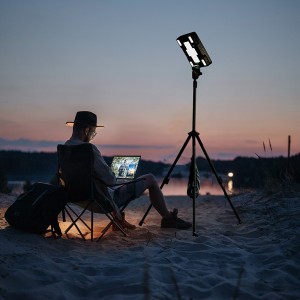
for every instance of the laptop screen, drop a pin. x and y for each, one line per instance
(125, 167)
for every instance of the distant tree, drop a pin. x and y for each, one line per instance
(27, 185)
(3, 182)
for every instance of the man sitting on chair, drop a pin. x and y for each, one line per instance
(84, 130)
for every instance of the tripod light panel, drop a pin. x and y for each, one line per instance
(194, 50)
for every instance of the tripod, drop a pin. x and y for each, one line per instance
(194, 135)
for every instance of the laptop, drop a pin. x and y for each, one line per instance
(125, 167)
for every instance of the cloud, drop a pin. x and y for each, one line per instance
(252, 142)
(226, 155)
(44, 145)
(28, 145)
(121, 146)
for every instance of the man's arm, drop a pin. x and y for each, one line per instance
(102, 170)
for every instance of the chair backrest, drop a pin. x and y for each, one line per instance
(76, 170)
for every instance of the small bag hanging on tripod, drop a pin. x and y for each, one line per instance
(191, 184)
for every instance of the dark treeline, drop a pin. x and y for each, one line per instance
(35, 166)
(248, 172)
(255, 172)
(40, 166)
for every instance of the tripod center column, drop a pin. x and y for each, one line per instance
(194, 104)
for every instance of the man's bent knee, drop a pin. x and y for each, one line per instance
(150, 180)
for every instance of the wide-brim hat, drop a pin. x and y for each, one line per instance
(84, 118)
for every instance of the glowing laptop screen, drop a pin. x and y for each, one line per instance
(125, 167)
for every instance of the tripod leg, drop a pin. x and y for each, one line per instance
(166, 179)
(217, 177)
(194, 179)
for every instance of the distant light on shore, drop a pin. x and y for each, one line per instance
(230, 174)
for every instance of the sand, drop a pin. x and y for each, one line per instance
(258, 259)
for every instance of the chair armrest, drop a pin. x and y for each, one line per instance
(127, 182)
(118, 184)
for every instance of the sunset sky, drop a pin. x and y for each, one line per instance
(120, 60)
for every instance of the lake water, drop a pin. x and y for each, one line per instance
(175, 187)
(178, 187)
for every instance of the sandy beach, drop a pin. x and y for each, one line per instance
(258, 259)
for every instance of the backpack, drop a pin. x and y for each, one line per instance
(37, 209)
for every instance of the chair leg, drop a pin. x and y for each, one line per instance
(63, 215)
(92, 226)
(78, 217)
(104, 231)
(110, 224)
(73, 224)
(112, 221)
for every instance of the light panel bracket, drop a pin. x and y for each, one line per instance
(194, 50)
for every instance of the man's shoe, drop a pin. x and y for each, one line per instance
(123, 223)
(175, 222)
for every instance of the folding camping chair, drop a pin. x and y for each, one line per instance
(75, 169)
